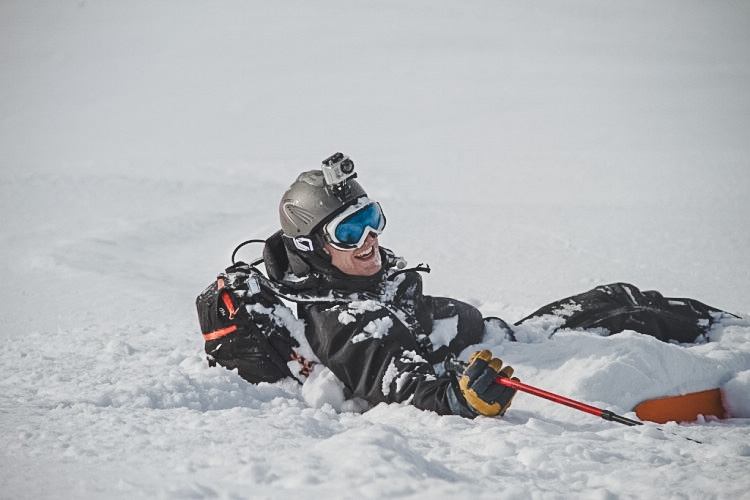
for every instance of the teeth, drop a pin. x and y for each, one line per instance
(366, 254)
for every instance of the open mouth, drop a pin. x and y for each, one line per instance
(366, 254)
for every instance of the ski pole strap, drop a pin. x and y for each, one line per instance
(605, 414)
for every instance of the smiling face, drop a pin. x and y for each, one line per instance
(363, 261)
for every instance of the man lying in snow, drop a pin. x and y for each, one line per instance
(367, 319)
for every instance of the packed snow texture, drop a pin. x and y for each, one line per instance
(527, 151)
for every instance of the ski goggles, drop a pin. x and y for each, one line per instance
(349, 229)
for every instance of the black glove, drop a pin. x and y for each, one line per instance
(479, 387)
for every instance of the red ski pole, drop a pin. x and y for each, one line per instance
(605, 414)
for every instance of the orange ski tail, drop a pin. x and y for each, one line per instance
(683, 408)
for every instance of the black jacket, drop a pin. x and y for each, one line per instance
(374, 333)
(387, 341)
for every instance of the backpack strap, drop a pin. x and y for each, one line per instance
(217, 334)
(229, 307)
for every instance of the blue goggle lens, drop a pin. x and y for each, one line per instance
(350, 231)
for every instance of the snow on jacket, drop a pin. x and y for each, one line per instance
(380, 335)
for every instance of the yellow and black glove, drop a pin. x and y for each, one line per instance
(479, 387)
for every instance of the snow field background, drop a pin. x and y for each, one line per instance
(527, 152)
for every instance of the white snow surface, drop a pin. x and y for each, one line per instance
(527, 151)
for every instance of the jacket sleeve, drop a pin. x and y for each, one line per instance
(377, 358)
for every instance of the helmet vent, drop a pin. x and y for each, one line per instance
(300, 214)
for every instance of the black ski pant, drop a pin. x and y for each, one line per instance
(621, 306)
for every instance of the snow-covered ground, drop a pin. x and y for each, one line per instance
(526, 150)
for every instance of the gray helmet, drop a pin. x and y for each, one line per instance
(310, 202)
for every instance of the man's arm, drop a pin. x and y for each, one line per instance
(377, 358)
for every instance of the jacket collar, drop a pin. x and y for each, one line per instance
(309, 272)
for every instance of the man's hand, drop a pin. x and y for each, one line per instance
(479, 387)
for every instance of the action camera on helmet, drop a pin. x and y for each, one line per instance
(318, 195)
(337, 169)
